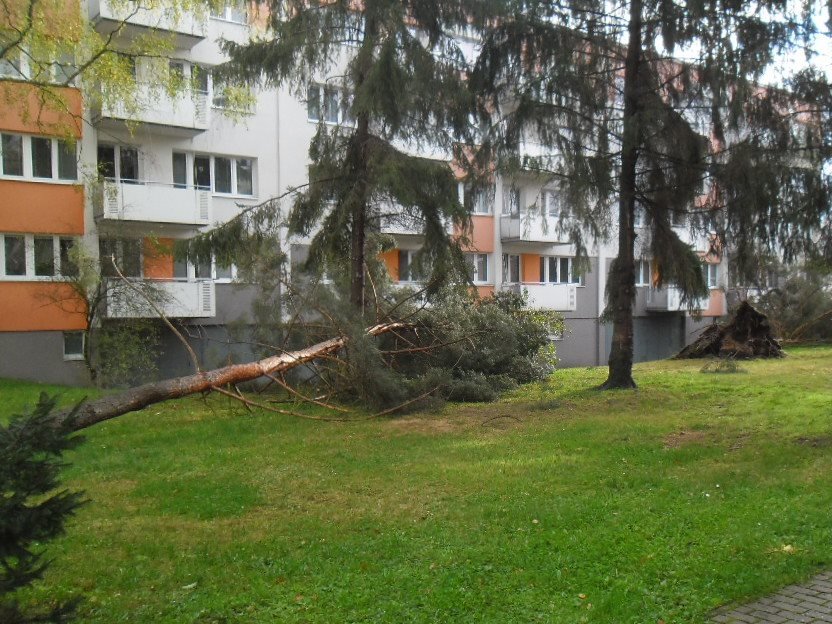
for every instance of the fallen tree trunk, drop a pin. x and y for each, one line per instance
(746, 335)
(140, 397)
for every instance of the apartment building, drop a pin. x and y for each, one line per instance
(135, 179)
(139, 177)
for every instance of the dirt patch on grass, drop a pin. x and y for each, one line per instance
(428, 424)
(678, 439)
(816, 441)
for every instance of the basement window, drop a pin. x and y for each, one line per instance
(74, 345)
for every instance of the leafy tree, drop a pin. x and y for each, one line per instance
(627, 125)
(32, 509)
(399, 73)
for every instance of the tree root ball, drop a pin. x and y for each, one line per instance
(746, 335)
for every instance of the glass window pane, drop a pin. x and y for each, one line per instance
(131, 259)
(10, 65)
(180, 268)
(223, 272)
(180, 170)
(222, 175)
(107, 161)
(514, 266)
(482, 267)
(202, 269)
(44, 256)
(67, 161)
(331, 104)
(553, 269)
(542, 269)
(244, 177)
(200, 79)
(12, 154)
(41, 157)
(404, 266)
(73, 344)
(313, 103)
(202, 172)
(68, 266)
(15, 247)
(564, 270)
(106, 251)
(129, 161)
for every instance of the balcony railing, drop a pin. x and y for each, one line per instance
(560, 297)
(131, 17)
(669, 299)
(177, 299)
(154, 203)
(397, 223)
(185, 114)
(535, 228)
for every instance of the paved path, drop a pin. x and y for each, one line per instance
(804, 604)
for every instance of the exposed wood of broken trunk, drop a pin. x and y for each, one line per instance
(746, 335)
(140, 397)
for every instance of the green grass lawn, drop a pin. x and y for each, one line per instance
(557, 504)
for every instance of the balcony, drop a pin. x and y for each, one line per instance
(185, 115)
(154, 203)
(533, 228)
(560, 297)
(176, 299)
(669, 299)
(132, 20)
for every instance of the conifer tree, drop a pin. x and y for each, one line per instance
(400, 73)
(628, 126)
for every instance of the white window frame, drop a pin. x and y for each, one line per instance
(228, 14)
(474, 260)
(74, 356)
(190, 273)
(411, 254)
(480, 204)
(642, 265)
(29, 258)
(712, 275)
(190, 181)
(117, 164)
(27, 153)
(511, 202)
(344, 102)
(119, 253)
(639, 217)
(507, 260)
(571, 278)
(678, 219)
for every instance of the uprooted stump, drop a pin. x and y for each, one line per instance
(746, 335)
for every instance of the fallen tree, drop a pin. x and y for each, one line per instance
(746, 335)
(134, 399)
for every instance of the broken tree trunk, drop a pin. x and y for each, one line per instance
(746, 335)
(140, 397)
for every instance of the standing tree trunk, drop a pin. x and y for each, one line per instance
(622, 293)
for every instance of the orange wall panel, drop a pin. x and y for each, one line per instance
(40, 306)
(23, 110)
(716, 304)
(530, 267)
(482, 234)
(485, 291)
(158, 258)
(37, 207)
(391, 261)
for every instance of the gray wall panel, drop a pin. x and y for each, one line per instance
(39, 356)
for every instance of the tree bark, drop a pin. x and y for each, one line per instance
(623, 277)
(138, 398)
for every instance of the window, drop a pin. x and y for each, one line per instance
(234, 11)
(64, 68)
(644, 277)
(202, 172)
(407, 270)
(511, 202)
(712, 275)
(127, 253)
(180, 170)
(559, 270)
(639, 217)
(479, 200)
(327, 103)
(478, 267)
(15, 255)
(232, 176)
(678, 219)
(205, 269)
(511, 268)
(119, 163)
(36, 256)
(245, 176)
(41, 158)
(10, 65)
(74, 345)
(12, 146)
(222, 175)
